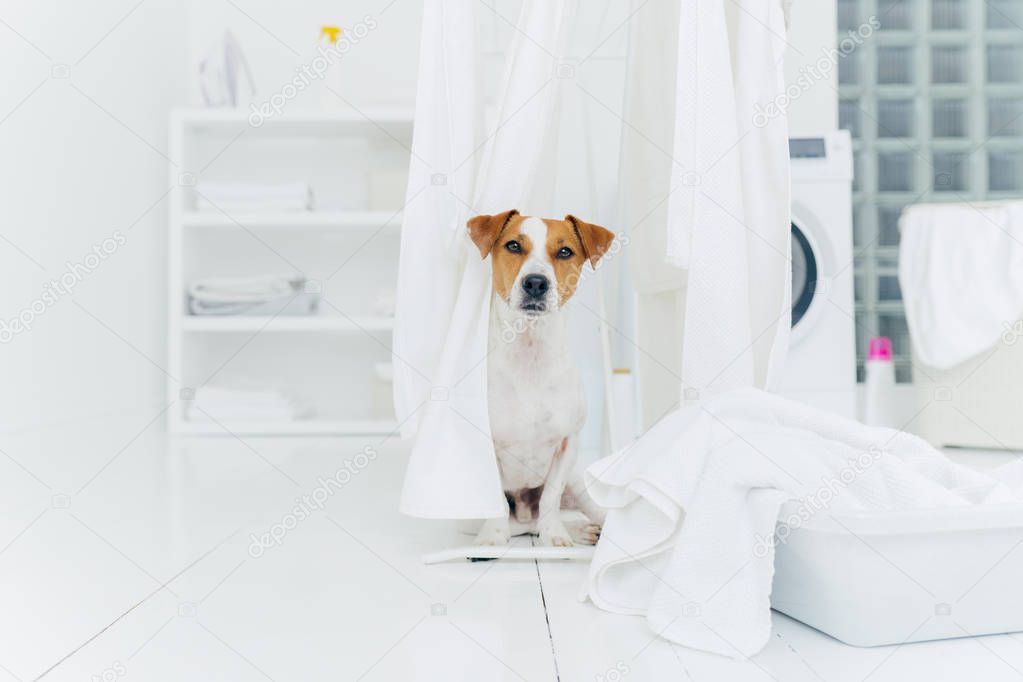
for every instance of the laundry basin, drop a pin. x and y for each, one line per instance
(876, 578)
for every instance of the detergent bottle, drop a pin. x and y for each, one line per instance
(327, 66)
(880, 384)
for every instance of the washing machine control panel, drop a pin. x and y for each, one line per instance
(817, 158)
(808, 148)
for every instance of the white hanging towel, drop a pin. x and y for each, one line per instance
(728, 219)
(717, 232)
(961, 275)
(693, 500)
(460, 169)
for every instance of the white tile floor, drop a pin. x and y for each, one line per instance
(127, 554)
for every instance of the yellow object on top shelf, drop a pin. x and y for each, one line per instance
(332, 32)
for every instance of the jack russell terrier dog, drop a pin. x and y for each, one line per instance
(537, 406)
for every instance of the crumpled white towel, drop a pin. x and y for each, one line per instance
(690, 500)
(961, 274)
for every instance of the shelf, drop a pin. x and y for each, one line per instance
(215, 115)
(309, 427)
(393, 120)
(313, 144)
(323, 220)
(285, 323)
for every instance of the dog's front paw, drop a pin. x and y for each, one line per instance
(586, 533)
(555, 535)
(495, 532)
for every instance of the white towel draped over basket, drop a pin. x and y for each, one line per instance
(689, 541)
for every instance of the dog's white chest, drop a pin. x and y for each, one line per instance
(536, 401)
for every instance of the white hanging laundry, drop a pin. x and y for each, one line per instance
(443, 296)
(729, 223)
(961, 275)
(717, 233)
(688, 542)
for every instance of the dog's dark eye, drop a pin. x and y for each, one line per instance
(513, 246)
(565, 252)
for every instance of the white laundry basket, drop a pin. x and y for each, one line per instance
(876, 578)
(977, 403)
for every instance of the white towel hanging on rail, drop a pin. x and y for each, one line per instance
(459, 169)
(710, 202)
(738, 298)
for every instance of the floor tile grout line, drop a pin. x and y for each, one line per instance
(547, 618)
(142, 601)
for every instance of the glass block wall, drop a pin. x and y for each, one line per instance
(934, 101)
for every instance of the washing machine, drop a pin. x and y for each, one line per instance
(821, 365)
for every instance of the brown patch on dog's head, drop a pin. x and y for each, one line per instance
(498, 236)
(485, 229)
(570, 243)
(595, 239)
(522, 247)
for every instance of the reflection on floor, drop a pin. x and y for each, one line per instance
(125, 553)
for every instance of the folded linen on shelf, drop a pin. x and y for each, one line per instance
(218, 403)
(251, 196)
(263, 295)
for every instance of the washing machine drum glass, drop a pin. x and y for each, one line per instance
(804, 274)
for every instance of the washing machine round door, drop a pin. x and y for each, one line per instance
(805, 270)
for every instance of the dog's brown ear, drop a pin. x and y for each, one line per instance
(596, 240)
(485, 229)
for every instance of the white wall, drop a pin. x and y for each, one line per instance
(811, 35)
(278, 37)
(83, 129)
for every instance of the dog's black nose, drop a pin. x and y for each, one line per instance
(535, 286)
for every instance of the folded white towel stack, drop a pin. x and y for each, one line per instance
(694, 502)
(215, 403)
(248, 196)
(267, 295)
(961, 274)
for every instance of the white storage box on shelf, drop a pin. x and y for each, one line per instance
(878, 578)
(976, 403)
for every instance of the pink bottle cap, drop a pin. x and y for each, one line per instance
(880, 349)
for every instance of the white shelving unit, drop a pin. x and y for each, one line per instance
(245, 323)
(333, 363)
(326, 220)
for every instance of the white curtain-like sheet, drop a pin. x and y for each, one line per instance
(461, 168)
(704, 197)
(710, 203)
